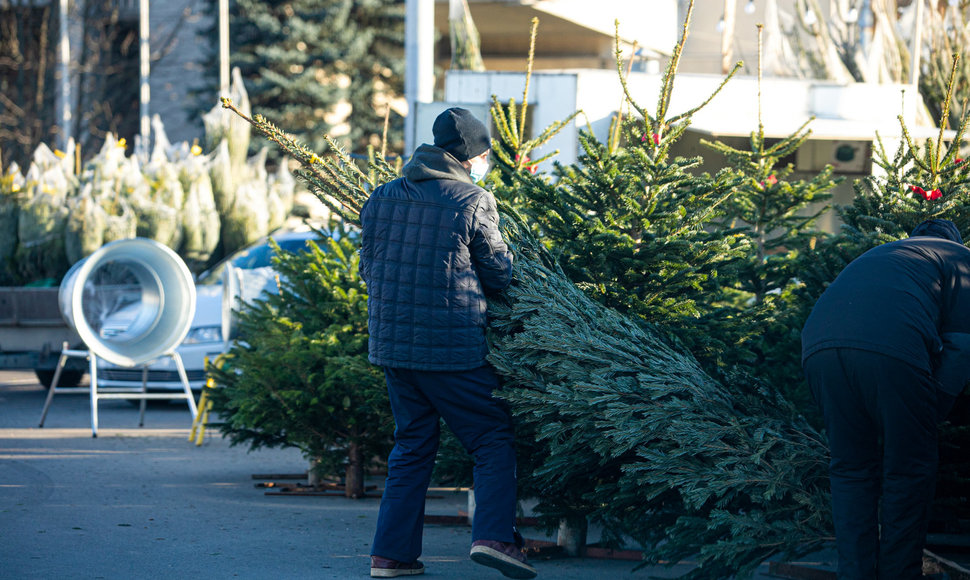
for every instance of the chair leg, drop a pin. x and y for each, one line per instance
(94, 394)
(189, 397)
(53, 388)
(144, 389)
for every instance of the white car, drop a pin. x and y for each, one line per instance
(205, 337)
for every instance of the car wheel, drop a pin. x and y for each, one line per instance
(69, 378)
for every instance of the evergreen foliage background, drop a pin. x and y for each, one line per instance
(701, 457)
(628, 227)
(302, 59)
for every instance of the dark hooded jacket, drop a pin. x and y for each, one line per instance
(431, 249)
(908, 299)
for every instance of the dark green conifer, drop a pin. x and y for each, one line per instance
(628, 222)
(299, 377)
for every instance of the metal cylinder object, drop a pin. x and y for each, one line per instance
(131, 301)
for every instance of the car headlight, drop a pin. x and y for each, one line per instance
(202, 334)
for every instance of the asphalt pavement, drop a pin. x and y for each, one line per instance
(145, 503)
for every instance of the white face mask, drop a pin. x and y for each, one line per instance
(478, 170)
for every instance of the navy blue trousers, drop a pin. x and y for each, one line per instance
(881, 415)
(481, 423)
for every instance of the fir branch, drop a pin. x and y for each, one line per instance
(528, 76)
(672, 66)
(336, 180)
(619, 71)
(659, 124)
(912, 148)
(510, 145)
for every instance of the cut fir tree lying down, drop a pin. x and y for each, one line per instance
(624, 427)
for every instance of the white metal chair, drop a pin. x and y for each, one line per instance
(98, 394)
(149, 290)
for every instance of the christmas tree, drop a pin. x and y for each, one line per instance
(640, 439)
(299, 376)
(777, 217)
(627, 221)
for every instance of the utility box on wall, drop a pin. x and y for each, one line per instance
(847, 157)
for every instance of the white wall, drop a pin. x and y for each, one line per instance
(856, 111)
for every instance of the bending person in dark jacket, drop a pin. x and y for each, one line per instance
(885, 351)
(431, 251)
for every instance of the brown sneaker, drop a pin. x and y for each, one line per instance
(385, 568)
(505, 557)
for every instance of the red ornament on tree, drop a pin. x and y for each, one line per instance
(927, 195)
(525, 165)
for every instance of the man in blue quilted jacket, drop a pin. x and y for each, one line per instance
(431, 251)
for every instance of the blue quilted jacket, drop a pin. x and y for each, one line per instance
(431, 250)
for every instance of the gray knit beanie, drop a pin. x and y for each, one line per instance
(458, 132)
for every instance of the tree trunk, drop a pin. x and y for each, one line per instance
(313, 477)
(354, 479)
(572, 535)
